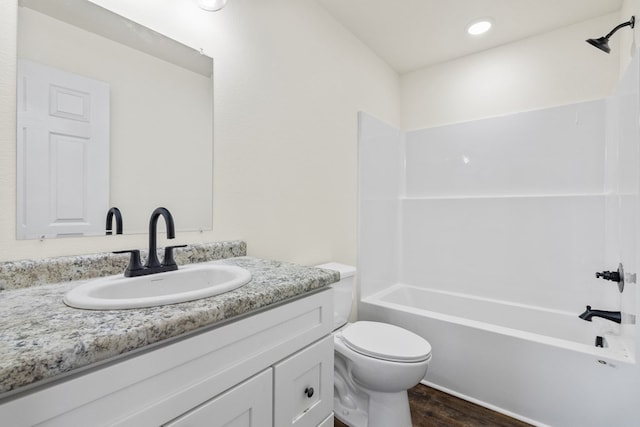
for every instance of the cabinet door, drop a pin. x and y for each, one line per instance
(303, 386)
(248, 404)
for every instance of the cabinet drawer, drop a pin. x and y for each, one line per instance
(303, 388)
(328, 422)
(245, 405)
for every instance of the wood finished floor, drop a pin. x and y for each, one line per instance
(433, 408)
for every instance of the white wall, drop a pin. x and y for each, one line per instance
(628, 38)
(551, 69)
(288, 82)
(8, 20)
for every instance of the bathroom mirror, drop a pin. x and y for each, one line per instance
(159, 122)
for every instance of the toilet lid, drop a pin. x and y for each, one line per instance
(386, 342)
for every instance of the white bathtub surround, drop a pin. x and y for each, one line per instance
(380, 172)
(484, 238)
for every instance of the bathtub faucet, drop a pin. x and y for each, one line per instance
(614, 316)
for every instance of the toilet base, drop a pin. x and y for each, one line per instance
(384, 410)
(389, 409)
(352, 417)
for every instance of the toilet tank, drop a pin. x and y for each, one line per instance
(343, 292)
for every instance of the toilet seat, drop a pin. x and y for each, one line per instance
(386, 342)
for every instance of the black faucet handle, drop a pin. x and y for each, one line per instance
(168, 260)
(134, 261)
(614, 276)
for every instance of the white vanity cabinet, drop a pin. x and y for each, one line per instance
(271, 368)
(248, 404)
(303, 386)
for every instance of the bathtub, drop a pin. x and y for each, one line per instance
(537, 365)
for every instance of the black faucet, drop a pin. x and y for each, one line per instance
(111, 213)
(614, 316)
(153, 265)
(152, 261)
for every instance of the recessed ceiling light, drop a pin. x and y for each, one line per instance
(480, 26)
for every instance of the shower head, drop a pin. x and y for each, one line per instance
(602, 43)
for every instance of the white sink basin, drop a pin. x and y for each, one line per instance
(190, 282)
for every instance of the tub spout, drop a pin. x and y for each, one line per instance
(614, 316)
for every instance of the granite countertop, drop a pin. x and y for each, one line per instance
(41, 338)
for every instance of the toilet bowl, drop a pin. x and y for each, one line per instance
(374, 365)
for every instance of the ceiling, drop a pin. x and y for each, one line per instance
(412, 34)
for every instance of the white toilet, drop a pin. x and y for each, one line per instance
(375, 363)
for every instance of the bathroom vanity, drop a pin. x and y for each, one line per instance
(261, 355)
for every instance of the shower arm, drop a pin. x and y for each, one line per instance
(631, 22)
